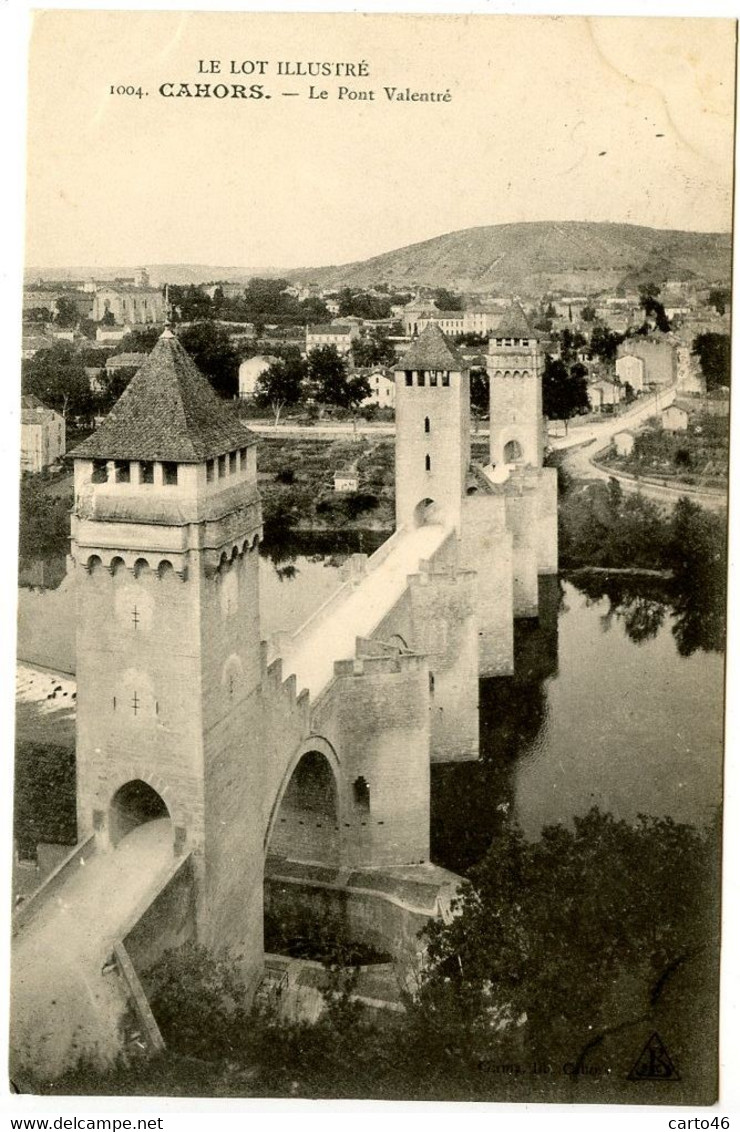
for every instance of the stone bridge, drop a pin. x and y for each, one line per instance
(219, 775)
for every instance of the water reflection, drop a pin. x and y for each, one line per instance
(470, 800)
(641, 604)
(617, 698)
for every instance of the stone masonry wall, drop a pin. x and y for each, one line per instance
(487, 547)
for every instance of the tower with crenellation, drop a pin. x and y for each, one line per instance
(165, 529)
(514, 364)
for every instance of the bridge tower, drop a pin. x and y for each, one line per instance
(514, 366)
(165, 528)
(432, 431)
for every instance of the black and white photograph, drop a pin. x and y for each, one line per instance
(369, 400)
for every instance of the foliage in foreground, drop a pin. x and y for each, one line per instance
(558, 944)
(44, 796)
(575, 931)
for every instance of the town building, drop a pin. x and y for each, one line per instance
(604, 394)
(382, 387)
(127, 360)
(624, 442)
(341, 335)
(111, 334)
(674, 419)
(658, 355)
(630, 370)
(346, 481)
(129, 304)
(42, 435)
(32, 343)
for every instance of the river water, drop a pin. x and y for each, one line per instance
(617, 699)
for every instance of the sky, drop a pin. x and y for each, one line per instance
(626, 120)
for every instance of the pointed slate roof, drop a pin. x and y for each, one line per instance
(432, 350)
(514, 324)
(167, 412)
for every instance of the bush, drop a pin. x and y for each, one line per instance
(44, 798)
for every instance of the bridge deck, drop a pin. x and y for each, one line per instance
(311, 658)
(59, 995)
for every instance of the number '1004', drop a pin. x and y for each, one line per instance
(131, 91)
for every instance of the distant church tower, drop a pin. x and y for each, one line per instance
(164, 540)
(514, 366)
(432, 430)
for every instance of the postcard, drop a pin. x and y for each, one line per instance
(374, 456)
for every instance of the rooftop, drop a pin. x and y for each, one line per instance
(33, 411)
(168, 412)
(331, 328)
(515, 324)
(432, 350)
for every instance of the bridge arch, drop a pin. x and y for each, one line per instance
(304, 823)
(513, 452)
(427, 511)
(134, 804)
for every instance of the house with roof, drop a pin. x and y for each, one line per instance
(42, 435)
(674, 419)
(32, 343)
(129, 304)
(604, 394)
(126, 360)
(624, 442)
(346, 480)
(658, 354)
(382, 386)
(341, 335)
(630, 369)
(107, 335)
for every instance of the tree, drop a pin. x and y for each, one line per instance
(373, 349)
(720, 298)
(67, 314)
(281, 385)
(564, 389)
(588, 314)
(447, 301)
(713, 351)
(313, 310)
(604, 342)
(191, 303)
(653, 308)
(57, 377)
(575, 931)
(210, 347)
(480, 397)
(141, 341)
(43, 796)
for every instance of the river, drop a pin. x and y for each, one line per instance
(617, 699)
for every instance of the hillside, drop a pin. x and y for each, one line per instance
(534, 258)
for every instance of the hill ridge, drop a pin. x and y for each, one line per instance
(536, 256)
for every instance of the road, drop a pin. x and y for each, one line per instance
(597, 435)
(603, 430)
(61, 1003)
